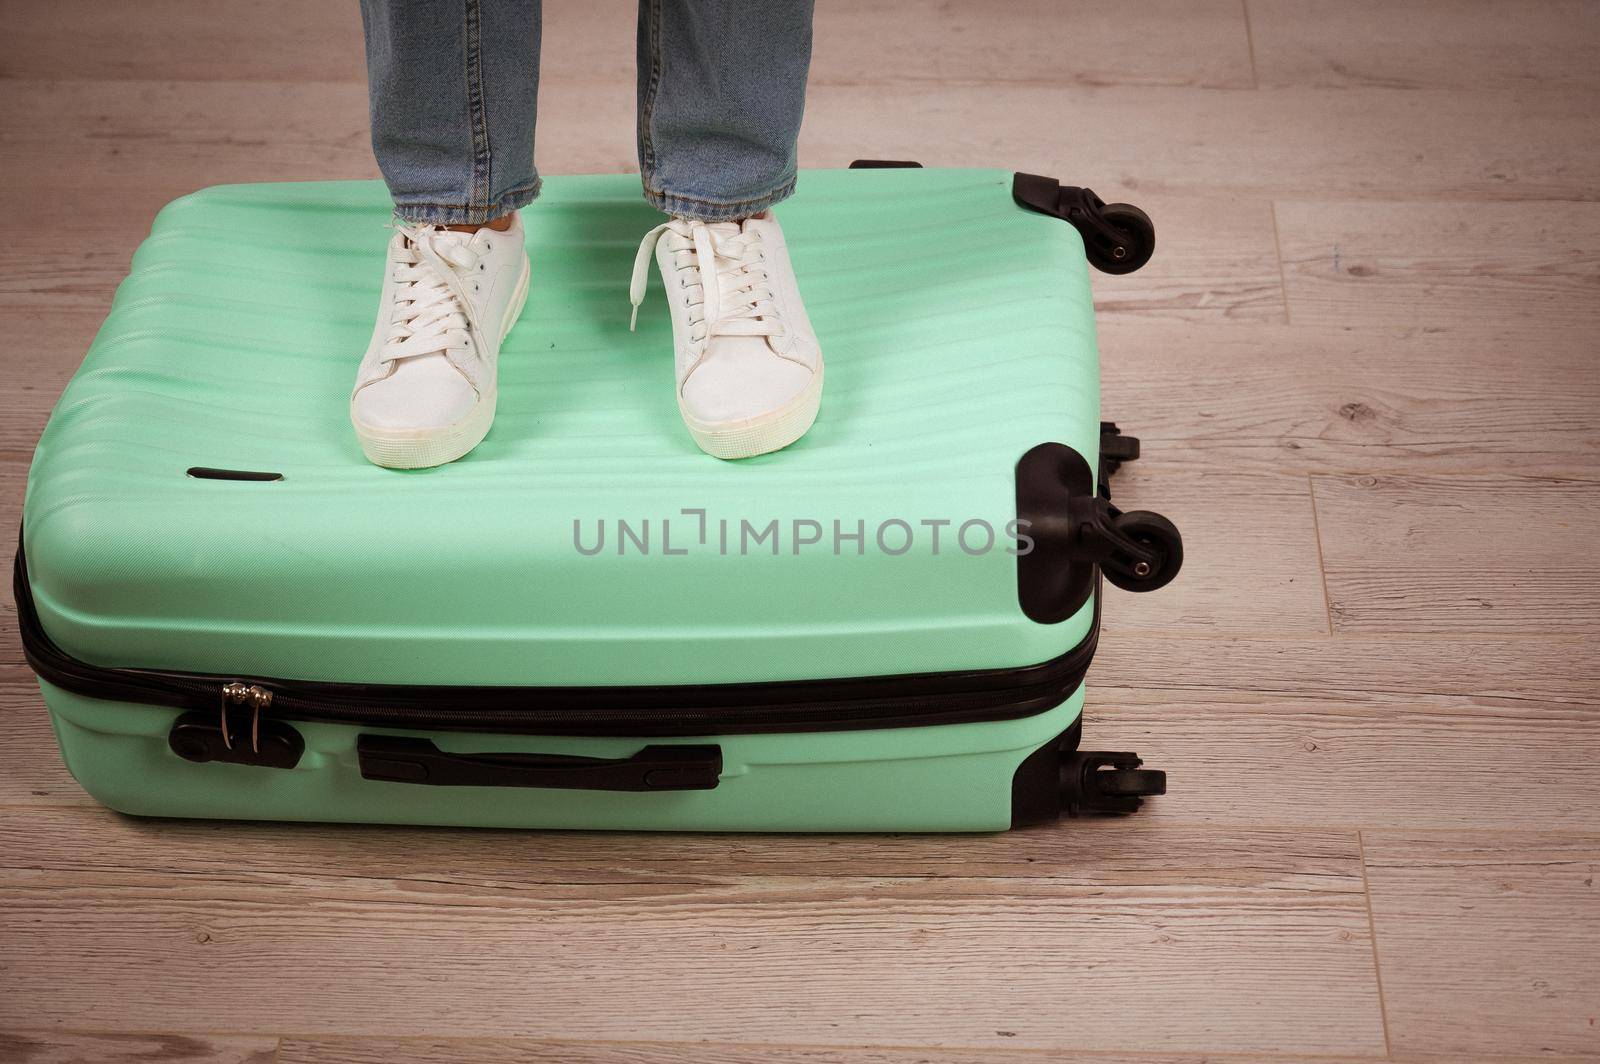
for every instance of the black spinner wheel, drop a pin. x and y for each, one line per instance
(1159, 534)
(1136, 244)
(1132, 782)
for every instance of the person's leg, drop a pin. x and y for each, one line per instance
(722, 88)
(453, 84)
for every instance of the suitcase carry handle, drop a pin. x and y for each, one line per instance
(400, 759)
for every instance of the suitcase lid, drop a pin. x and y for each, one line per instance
(956, 327)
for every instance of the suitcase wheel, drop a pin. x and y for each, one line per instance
(1156, 534)
(1132, 782)
(1136, 243)
(1097, 781)
(1117, 237)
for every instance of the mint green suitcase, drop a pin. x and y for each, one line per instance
(587, 623)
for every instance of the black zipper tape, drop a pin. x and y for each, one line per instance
(854, 703)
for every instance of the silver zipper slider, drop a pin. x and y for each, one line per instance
(243, 694)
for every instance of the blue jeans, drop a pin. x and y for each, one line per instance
(454, 86)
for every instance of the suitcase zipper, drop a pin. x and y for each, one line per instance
(895, 701)
(243, 694)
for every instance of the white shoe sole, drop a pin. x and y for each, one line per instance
(424, 448)
(769, 432)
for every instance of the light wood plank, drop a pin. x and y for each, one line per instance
(1486, 554)
(1460, 44)
(1486, 942)
(52, 1047)
(74, 266)
(1279, 143)
(31, 770)
(177, 40)
(1216, 261)
(162, 138)
(1329, 398)
(1240, 531)
(1507, 265)
(1274, 918)
(1453, 732)
(47, 345)
(1349, 764)
(1145, 42)
(1084, 854)
(12, 471)
(1165, 42)
(518, 1051)
(149, 137)
(1444, 670)
(28, 408)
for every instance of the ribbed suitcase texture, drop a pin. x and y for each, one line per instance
(586, 541)
(958, 332)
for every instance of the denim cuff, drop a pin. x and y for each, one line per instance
(430, 213)
(707, 210)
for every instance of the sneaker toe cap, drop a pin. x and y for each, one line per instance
(424, 395)
(742, 382)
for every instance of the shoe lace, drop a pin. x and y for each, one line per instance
(726, 263)
(431, 313)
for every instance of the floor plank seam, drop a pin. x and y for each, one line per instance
(1277, 252)
(1261, 636)
(1322, 566)
(703, 880)
(1375, 699)
(1372, 931)
(1165, 822)
(1250, 45)
(1047, 1052)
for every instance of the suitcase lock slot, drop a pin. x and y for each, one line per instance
(202, 737)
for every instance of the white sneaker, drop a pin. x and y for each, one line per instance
(749, 369)
(425, 392)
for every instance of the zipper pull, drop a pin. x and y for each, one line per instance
(243, 694)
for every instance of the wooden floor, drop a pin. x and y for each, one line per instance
(1365, 367)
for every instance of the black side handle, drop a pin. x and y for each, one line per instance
(400, 759)
(1053, 578)
(885, 164)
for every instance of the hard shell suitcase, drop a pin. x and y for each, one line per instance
(587, 623)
